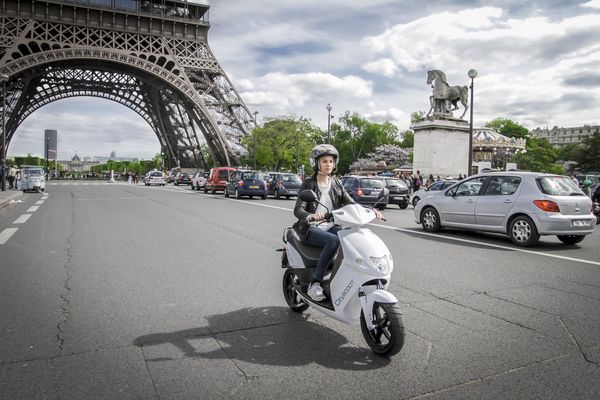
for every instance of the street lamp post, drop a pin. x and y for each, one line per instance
(329, 123)
(3, 80)
(254, 139)
(472, 74)
(47, 151)
(297, 148)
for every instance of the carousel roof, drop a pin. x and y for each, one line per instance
(490, 137)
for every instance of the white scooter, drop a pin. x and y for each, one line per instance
(355, 282)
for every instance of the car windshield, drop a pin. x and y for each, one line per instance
(372, 183)
(223, 174)
(32, 172)
(252, 175)
(156, 174)
(291, 178)
(558, 186)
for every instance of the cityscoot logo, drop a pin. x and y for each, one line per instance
(344, 293)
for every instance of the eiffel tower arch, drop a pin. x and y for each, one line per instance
(151, 56)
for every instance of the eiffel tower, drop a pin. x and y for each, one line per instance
(151, 56)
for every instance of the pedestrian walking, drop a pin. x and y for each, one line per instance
(12, 176)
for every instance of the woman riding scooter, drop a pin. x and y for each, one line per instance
(311, 226)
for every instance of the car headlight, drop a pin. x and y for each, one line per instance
(382, 264)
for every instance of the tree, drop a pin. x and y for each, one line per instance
(392, 155)
(355, 137)
(416, 117)
(569, 152)
(589, 157)
(508, 127)
(408, 141)
(540, 157)
(278, 141)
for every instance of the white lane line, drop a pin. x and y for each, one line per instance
(39, 202)
(33, 208)
(22, 219)
(497, 246)
(6, 234)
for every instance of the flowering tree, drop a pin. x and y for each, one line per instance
(391, 154)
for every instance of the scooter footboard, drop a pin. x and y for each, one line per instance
(376, 296)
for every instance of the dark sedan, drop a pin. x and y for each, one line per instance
(399, 192)
(246, 183)
(365, 189)
(183, 178)
(283, 185)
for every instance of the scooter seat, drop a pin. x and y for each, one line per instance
(310, 254)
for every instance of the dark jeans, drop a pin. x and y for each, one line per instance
(329, 241)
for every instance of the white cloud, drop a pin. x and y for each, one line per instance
(282, 91)
(592, 4)
(383, 66)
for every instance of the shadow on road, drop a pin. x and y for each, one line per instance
(268, 336)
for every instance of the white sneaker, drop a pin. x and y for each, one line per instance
(315, 291)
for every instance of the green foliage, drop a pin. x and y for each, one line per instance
(540, 157)
(408, 140)
(275, 143)
(508, 127)
(355, 137)
(416, 117)
(569, 152)
(589, 156)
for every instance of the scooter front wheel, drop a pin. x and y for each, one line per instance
(387, 337)
(289, 292)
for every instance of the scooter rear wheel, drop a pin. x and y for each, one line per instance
(387, 337)
(289, 292)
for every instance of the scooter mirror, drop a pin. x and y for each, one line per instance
(308, 196)
(383, 193)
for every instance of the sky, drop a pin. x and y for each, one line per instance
(537, 64)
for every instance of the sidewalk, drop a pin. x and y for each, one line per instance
(8, 195)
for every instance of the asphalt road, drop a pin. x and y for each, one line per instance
(114, 291)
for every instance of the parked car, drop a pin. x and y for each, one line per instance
(182, 178)
(425, 192)
(282, 184)
(246, 183)
(365, 189)
(199, 180)
(217, 179)
(522, 205)
(155, 178)
(399, 192)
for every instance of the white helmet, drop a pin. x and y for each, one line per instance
(321, 150)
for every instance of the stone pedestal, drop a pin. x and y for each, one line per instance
(441, 147)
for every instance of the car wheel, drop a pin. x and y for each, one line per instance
(213, 191)
(226, 193)
(205, 189)
(403, 205)
(523, 232)
(264, 197)
(570, 239)
(430, 220)
(382, 207)
(237, 194)
(415, 201)
(277, 196)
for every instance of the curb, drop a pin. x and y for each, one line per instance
(5, 199)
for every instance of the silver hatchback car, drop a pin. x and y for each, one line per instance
(523, 205)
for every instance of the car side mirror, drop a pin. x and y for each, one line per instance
(308, 196)
(383, 193)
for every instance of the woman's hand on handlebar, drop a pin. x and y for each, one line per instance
(379, 215)
(317, 217)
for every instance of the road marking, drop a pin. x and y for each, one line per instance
(39, 202)
(496, 246)
(6, 234)
(33, 208)
(22, 219)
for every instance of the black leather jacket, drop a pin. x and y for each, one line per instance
(339, 198)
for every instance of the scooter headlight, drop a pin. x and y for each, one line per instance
(382, 264)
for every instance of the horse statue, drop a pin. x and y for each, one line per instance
(445, 95)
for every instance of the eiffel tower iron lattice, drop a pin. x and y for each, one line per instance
(151, 56)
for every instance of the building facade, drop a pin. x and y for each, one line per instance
(559, 137)
(51, 144)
